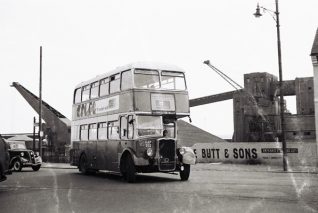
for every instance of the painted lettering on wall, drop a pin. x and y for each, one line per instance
(236, 153)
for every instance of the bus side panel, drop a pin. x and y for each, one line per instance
(101, 155)
(182, 103)
(74, 153)
(112, 155)
(91, 153)
(126, 102)
(82, 148)
(142, 101)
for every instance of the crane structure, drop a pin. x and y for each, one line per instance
(57, 128)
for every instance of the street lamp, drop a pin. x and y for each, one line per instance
(275, 16)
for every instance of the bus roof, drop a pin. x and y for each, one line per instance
(140, 65)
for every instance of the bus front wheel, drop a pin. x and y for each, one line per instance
(128, 169)
(185, 173)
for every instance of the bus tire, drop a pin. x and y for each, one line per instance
(185, 173)
(83, 164)
(129, 169)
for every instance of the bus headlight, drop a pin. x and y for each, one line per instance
(182, 151)
(149, 152)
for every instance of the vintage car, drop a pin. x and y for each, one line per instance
(21, 157)
(4, 160)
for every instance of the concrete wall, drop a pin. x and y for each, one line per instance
(314, 59)
(305, 96)
(299, 153)
(300, 127)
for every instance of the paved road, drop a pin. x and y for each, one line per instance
(211, 188)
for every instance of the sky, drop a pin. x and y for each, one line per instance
(82, 38)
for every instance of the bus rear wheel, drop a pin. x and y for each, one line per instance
(83, 164)
(128, 170)
(185, 173)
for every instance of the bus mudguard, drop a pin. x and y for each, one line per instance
(137, 161)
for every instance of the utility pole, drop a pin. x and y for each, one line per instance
(40, 105)
(34, 120)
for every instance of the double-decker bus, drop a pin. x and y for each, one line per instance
(125, 121)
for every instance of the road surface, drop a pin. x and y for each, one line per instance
(211, 188)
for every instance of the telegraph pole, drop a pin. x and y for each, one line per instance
(40, 105)
(34, 120)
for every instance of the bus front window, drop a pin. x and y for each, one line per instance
(146, 79)
(149, 126)
(172, 80)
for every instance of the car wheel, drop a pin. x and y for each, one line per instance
(83, 164)
(36, 168)
(185, 173)
(17, 165)
(129, 169)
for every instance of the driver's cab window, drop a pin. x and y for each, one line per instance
(123, 127)
(131, 121)
(127, 127)
(169, 130)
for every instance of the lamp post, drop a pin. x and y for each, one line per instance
(275, 15)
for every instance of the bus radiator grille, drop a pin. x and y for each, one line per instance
(167, 155)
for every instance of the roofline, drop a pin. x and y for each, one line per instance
(141, 65)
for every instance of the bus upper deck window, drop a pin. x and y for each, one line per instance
(94, 90)
(85, 93)
(146, 79)
(114, 83)
(77, 96)
(126, 80)
(172, 80)
(104, 87)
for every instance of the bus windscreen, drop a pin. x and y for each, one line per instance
(149, 125)
(146, 79)
(172, 80)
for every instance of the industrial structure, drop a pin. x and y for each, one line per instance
(256, 109)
